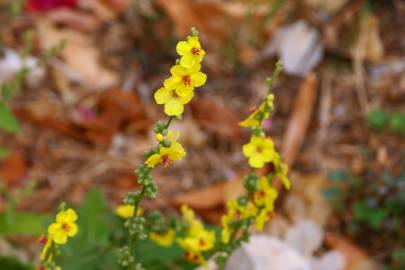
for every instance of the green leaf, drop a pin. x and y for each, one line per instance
(397, 123)
(338, 175)
(155, 257)
(7, 120)
(22, 223)
(332, 193)
(11, 263)
(377, 119)
(371, 215)
(399, 256)
(4, 152)
(92, 248)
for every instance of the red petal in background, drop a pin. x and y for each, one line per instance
(43, 5)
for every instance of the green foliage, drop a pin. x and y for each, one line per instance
(373, 207)
(4, 152)
(155, 257)
(13, 223)
(381, 120)
(7, 120)
(371, 215)
(91, 248)
(10, 263)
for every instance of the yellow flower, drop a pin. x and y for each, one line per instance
(259, 151)
(190, 51)
(159, 137)
(64, 226)
(166, 155)
(252, 120)
(264, 216)
(126, 211)
(165, 239)
(282, 173)
(183, 80)
(48, 243)
(173, 102)
(266, 195)
(226, 230)
(197, 239)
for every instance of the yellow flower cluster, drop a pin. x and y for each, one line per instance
(254, 120)
(260, 209)
(58, 233)
(165, 239)
(126, 211)
(166, 155)
(178, 90)
(197, 239)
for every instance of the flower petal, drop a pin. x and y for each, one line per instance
(198, 79)
(162, 95)
(183, 48)
(174, 107)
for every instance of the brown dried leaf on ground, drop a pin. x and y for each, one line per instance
(186, 14)
(14, 169)
(116, 109)
(74, 19)
(210, 202)
(355, 257)
(216, 117)
(81, 55)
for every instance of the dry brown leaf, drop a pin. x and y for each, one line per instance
(205, 199)
(216, 117)
(80, 55)
(74, 19)
(117, 109)
(355, 257)
(186, 14)
(14, 169)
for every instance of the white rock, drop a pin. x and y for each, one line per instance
(267, 253)
(298, 46)
(12, 62)
(305, 237)
(332, 260)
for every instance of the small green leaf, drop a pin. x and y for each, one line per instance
(378, 119)
(7, 120)
(399, 256)
(397, 123)
(11, 263)
(338, 175)
(4, 152)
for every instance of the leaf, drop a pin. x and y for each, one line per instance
(11, 263)
(155, 257)
(338, 175)
(4, 152)
(216, 117)
(22, 223)
(377, 119)
(397, 123)
(7, 120)
(371, 215)
(91, 248)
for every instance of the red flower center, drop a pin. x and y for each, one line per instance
(42, 239)
(195, 51)
(165, 161)
(187, 80)
(202, 242)
(65, 227)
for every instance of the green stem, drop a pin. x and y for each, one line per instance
(132, 243)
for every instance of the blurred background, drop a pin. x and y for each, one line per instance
(77, 80)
